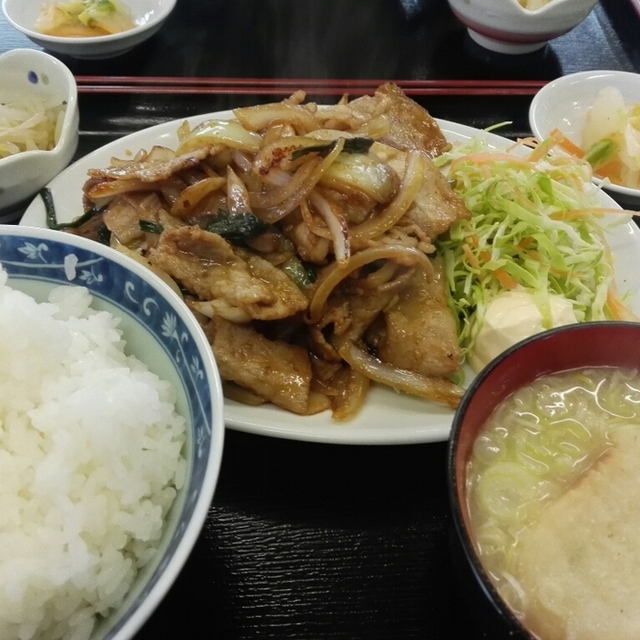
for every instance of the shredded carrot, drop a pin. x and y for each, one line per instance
(486, 158)
(566, 144)
(611, 170)
(618, 310)
(473, 261)
(525, 243)
(542, 150)
(530, 142)
(485, 256)
(507, 281)
(473, 240)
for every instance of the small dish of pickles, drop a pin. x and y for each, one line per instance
(595, 115)
(88, 29)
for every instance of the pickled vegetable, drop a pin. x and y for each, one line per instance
(84, 18)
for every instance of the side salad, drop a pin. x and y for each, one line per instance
(537, 228)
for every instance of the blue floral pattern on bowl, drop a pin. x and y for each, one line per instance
(57, 262)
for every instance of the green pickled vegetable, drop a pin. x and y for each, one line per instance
(601, 152)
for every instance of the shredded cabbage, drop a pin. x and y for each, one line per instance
(534, 226)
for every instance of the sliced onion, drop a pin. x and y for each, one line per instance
(183, 130)
(380, 277)
(383, 221)
(307, 217)
(287, 186)
(241, 160)
(361, 173)
(438, 389)
(245, 170)
(337, 225)
(352, 391)
(271, 155)
(277, 178)
(298, 191)
(237, 194)
(334, 274)
(228, 132)
(193, 194)
(265, 115)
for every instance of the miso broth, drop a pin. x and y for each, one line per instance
(541, 479)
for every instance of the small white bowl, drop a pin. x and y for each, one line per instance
(505, 26)
(148, 16)
(565, 102)
(30, 72)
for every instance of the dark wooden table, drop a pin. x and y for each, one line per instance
(317, 541)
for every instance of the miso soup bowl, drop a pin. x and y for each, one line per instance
(596, 344)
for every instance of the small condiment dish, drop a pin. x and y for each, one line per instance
(564, 103)
(162, 333)
(148, 16)
(31, 73)
(506, 26)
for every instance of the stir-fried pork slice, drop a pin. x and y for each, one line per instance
(122, 216)
(436, 206)
(352, 309)
(238, 289)
(151, 170)
(420, 331)
(277, 371)
(139, 175)
(410, 125)
(309, 246)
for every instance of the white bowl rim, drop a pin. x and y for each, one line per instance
(194, 527)
(582, 76)
(166, 8)
(550, 7)
(72, 105)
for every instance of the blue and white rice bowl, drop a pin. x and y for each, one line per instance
(161, 332)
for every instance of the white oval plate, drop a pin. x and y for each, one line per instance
(388, 417)
(565, 102)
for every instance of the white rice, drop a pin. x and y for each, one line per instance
(90, 461)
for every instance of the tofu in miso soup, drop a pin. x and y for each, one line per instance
(554, 503)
